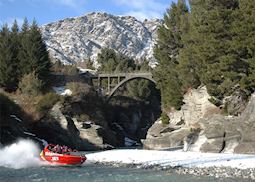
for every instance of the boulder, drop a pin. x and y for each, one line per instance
(213, 145)
(215, 130)
(245, 148)
(95, 134)
(248, 115)
(248, 135)
(229, 134)
(166, 140)
(155, 130)
(236, 103)
(231, 144)
(91, 134)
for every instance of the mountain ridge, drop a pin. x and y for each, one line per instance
(80, 38)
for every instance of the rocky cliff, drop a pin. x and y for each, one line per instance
(200, 126)
(76, 39)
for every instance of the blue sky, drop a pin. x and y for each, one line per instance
(45, 11)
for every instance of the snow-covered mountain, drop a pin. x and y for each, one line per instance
(76, 39)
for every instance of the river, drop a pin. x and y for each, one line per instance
(19, 162)
(94, 173)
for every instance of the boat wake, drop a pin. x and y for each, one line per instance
(22, 154)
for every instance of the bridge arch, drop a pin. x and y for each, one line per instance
(127, 79)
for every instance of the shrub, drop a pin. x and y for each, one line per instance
(46, 102)
(31, 85)
(86, 63)
(58, 67)
(70, 70)
(164, 118)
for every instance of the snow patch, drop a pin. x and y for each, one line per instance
(30, 134)
(85, 70)
(16, 118)
(62, 91)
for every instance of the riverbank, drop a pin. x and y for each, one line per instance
(199, 164)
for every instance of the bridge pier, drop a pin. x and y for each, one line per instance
(109, 85)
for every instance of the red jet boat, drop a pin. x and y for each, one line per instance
(65, 158)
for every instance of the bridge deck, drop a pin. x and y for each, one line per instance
(106, 75)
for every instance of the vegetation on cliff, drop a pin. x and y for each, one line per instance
(22, 52)
(212, 44)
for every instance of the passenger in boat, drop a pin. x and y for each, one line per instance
(57, 149)
(61, 149)
(54, 149)
(69, 150)
(50, 148)
(64, 149)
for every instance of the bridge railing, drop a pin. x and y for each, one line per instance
(105, 75)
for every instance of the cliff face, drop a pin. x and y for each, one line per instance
(197, 106)
(76, 39)
(199, 126)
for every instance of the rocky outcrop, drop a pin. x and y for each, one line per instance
(230, 134)
(213, 132)
(76, 39)
(196, 106)
(185, 122)
(236, 103)
(86, 135)
(164, 137)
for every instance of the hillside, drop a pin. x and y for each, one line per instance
(76, 39)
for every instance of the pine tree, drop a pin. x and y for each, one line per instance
(15, 46)
(25, 26)
(216, 64)
(167, 50)
(108, 60)
(8, 66)
(214, 45)
(243, 45)
(33, 54)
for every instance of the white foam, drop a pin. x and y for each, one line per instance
(22, 154)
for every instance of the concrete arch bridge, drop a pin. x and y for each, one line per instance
(121, 78)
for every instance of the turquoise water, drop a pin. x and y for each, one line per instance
(94, 173)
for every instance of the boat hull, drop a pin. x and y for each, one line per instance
(62, 159)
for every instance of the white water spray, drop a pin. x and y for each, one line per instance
(22, 154)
